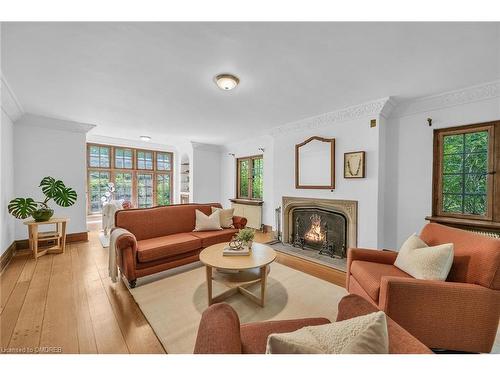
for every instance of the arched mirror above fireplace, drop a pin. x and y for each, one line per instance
(315, 163)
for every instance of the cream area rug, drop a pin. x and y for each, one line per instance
(174, 304)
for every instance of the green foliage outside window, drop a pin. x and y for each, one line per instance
(257, 178)
(465, 167)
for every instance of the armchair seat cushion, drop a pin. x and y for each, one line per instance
(209, 238)
(369, 275)
(166, 246)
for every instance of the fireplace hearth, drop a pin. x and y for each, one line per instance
(324, 226)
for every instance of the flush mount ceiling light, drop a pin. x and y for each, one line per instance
(145, 138)
(226, 82)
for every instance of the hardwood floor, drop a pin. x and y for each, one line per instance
(66, 303)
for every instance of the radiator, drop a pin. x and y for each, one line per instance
(252, 213)
(485, 233)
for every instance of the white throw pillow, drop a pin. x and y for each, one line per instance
(365, 334)
(226, 216)
(204, 222)
(424, 262)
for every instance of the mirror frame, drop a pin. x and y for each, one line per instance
(332, 169)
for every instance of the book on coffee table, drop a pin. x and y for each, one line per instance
(231, 252)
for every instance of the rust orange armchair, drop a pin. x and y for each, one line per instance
(461, 313)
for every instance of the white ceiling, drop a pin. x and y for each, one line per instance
(157, 78)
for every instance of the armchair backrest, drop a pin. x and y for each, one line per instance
(477, 257)
(160, 221)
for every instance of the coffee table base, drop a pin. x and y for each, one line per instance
(237, 282)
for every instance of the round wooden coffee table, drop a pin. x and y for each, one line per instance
(243, 271)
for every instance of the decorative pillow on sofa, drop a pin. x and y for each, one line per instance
(424, 262)
(226, 216)
(365, 334)
(204, 222)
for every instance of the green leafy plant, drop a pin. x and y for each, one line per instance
(245, 235)
(64, 196)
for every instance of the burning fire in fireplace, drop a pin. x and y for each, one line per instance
(315, 232)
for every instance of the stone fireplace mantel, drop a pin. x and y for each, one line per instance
(348, 208)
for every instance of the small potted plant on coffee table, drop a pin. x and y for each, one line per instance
(246, 236)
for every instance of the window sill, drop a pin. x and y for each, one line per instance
(250, 202)
(483, 224)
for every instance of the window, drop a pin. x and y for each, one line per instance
(123, 158)
(162, 189)
(144, 190)
(143, 177)
(123, 186)
(163, 161)
(250, 177)
(464, 178)
(144, 160)
(99, 157)
(98, 183)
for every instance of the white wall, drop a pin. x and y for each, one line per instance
(228, 172)
(352, 135)
(206, 173)
(413, 154)
(6, 181)
(50, 147)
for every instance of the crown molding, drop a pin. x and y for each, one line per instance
(29, 119)
(485, 91)
(10, 104)
(372, 108)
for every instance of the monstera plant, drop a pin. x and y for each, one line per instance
(64, 196)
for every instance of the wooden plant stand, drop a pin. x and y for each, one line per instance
(42, 243)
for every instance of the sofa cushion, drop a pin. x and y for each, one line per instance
(166, 246)
(159, 221)
(210, 238)
(369, 275)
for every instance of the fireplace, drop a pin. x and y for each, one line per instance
(321, 230)
(327, 226)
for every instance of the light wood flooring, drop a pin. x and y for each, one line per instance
(66, 303)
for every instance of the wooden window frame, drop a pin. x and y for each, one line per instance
(112, 170)
(153, 160)
(111, 156)
(114, 158)
(250, 178)
(89, 171)
(493, 184)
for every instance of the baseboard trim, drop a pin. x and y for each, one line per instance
(70, 237)
(7, 256)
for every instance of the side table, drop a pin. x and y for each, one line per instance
(57, 237)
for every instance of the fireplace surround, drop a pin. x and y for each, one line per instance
(325, 225)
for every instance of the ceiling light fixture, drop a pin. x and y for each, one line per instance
(227, 82)
(145, 138)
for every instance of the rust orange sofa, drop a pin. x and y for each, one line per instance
(220, 331)
(161, 238)
(461, 313)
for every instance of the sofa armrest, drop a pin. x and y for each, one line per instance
(239, 222)
(446, 315)
(219, 331)
(368, 255)
(126, 253)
